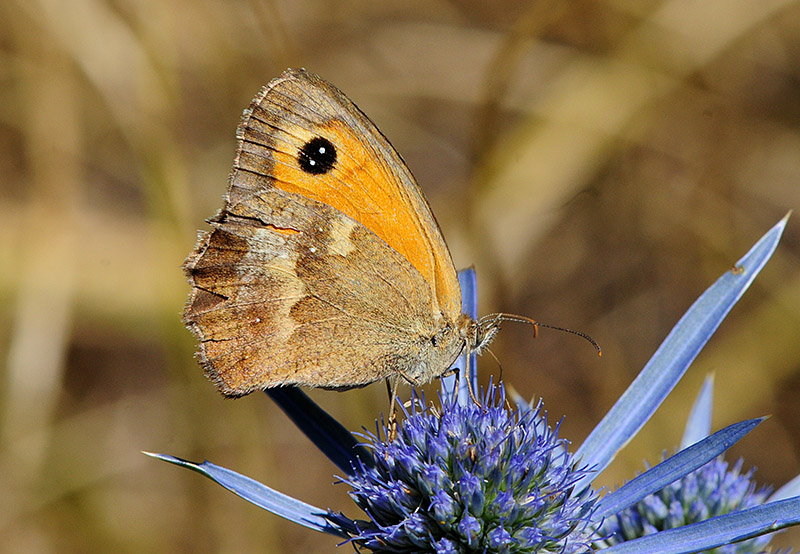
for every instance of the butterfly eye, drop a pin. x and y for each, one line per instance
(441, 336)
(317, 156)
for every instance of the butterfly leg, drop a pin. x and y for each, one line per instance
(391, 389)
(450, 372)
(472, 395)
(469, 383)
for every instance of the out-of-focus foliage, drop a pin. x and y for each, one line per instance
(599, 162)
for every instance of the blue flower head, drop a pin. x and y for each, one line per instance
(471, 479)
(713, 490)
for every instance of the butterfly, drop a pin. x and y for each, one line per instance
(325, 267)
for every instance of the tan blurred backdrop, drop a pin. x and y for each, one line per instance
(600, 162)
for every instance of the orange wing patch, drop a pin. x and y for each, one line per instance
(380, 206)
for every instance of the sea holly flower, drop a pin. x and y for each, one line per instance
(464, 478)
(471, 478)
(714, 489)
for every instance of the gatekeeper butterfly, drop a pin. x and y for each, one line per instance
(325, 267)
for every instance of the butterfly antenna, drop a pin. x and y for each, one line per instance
(495, 319)
(573, 332)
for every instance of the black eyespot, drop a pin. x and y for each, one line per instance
(317, 156)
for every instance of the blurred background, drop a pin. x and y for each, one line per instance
(600, 162)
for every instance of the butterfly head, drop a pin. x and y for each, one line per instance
(475, 335)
